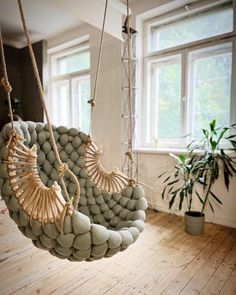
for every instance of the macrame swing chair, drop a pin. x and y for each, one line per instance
(59, 194)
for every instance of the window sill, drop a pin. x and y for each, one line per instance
(166, 151)
(163, 151)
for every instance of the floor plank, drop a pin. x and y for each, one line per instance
(229, 287)
(216, 282)
(164, 260)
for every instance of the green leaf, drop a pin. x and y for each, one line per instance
(215, 197)
(226, 172)
(172, 200)
(172, 182)
(182, 158)
(213, 144)
(230, 136)
(222, 134)
(200, 199)
(176, 172)
(163, 193)
(167, 179)
(212, 209)
(233, 143)
(159, 176)
(205, 132)
(176, 158)
(170, 190)
(190, 144)
(213, 125)
(181, 200)
(230, 162)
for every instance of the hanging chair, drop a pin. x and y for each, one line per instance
(103, 223)
(59, 194)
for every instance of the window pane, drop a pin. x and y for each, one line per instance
(61, 103)
(166, 89)
(73, 62)
(81, 109)
(192, 28)
(210, 80)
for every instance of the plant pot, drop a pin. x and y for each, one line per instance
(194, 222)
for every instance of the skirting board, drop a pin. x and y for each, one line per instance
(230, 222)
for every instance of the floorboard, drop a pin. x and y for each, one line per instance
(164, 260)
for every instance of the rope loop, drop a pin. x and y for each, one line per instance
(62, 168)
(92, 102)
(14, 137)
(6, 85)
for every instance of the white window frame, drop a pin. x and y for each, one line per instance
(145, 57)
(78, 45)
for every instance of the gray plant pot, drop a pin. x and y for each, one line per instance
(194, 222)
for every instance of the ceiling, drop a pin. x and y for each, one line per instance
(48, 18)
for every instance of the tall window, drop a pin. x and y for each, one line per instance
(70, 87)
(187, 73)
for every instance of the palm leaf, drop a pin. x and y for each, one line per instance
(173, 182)
(212, 209)
(163, 193)
(215, 197)
(181, 200)
(200, 199)
(172, 200)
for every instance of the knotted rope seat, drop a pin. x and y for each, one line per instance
(104, 223)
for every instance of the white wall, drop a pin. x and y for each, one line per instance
(106, 129)
(152, 164)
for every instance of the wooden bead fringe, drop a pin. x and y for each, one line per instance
(112, 182)
(41, 203)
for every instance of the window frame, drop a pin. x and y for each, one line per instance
(80, 45)
(146, 57)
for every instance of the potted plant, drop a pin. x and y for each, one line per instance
(201, 167)
(180, 186)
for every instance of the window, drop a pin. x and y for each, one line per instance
(210, 71)
(191, 27)
(69, 88)
(187, 74)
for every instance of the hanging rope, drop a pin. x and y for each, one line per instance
(129, 153)
(92, 100)
(62, 168)
(4, 80)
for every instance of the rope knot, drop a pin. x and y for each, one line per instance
(62, 168)
(129, 154)
(132, 182)
(92, 102)
(6, 85)
(89, 140)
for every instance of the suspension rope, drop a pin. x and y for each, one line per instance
(4, 80)
(62, 168)
(92, 100)
(129, 153)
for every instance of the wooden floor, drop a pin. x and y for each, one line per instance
(164, 260)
